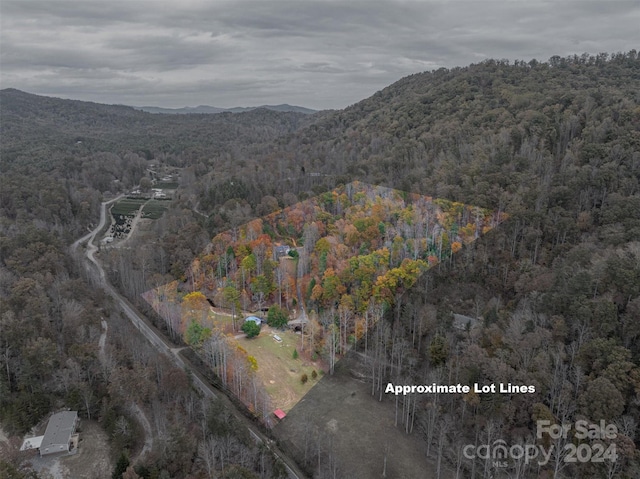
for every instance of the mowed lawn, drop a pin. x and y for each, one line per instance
(280, 373)
(127, 206)
(154, 209)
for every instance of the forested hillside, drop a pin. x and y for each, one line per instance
(59, 160)
(555, 145)
(30, 121)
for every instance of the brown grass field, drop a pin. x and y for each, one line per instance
(340, 411)
(280, 373)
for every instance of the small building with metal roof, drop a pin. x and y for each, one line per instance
(255, 319)
(57, 436)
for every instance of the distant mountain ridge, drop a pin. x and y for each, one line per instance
(35, 126)
(206, 109)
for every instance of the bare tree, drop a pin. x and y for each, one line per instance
(444, 425)
(208, 451)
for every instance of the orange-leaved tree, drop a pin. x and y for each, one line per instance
(194, 308)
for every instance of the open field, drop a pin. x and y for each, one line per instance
(93, 460)
(279, 372)
(127, 206)
(355, 428)
(154, 209)
(166, 185)
(224, 321)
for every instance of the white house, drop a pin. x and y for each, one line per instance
(57, 436)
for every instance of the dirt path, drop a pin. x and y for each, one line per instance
(163, 347)
(50, 467)
(196, 210)
(135, 409)
(148, 433)
(103, 217)
(103, 340)
(134, 223)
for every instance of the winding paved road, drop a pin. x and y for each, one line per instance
(162, 345)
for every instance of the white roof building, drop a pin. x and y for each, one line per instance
(57, 436)
(255, 319)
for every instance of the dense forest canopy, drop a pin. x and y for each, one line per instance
(348, 253)
(555, 145)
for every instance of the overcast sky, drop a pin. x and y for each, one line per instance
(318, 54)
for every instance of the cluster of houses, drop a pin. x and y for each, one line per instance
(155, 193)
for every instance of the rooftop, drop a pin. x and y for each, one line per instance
(255, 319)
(31, 443)
(463, 322)
(61, 427)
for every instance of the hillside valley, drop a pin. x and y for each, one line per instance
(553, 293)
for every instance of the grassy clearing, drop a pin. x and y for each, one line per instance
(279, 372)
(154, 209)
(360, 426)
(166, 185)
(224, 321)
(127, 206)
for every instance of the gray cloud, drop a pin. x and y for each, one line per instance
(320, 54)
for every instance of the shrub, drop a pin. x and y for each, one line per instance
(314, 374)
(295, 354)
(276, 317)
(304, 378)
(251, 329)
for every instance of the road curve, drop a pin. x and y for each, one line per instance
(162, 345)
(103, 218)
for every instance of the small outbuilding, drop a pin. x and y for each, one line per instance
(280, 414)
(464, 323)
(255, 319)
(281, 251)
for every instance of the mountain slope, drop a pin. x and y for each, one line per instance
(35, 126)
(555, 145)
(205, 109)
(478, 119)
